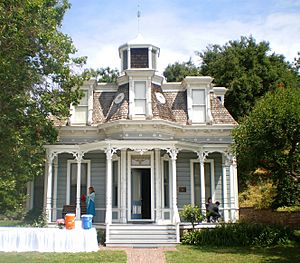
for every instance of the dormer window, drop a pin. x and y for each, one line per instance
(198, 106)
(139, 97)
(81, 110)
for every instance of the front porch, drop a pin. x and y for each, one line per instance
(140, 185)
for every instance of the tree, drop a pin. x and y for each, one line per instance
(37, 83)
(269, 139)
(247, 70)
(297, 62)
(106, 75)
(178, 71)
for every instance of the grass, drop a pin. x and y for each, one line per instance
(191, 254)
(10, 223)
(35, 257)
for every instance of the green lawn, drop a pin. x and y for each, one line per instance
(10, 223)
(35, 257)
(190, 254)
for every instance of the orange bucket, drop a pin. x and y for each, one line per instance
(70, 221)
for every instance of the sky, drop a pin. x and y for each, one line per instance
(179, 27)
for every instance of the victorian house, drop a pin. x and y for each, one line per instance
(148, 147)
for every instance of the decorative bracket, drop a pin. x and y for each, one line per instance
(78, 156)
(202, 155)
(110, 152)
(172, 152)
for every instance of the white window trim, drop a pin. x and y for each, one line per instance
(89, 108)
(212, 178)
(68, 189)
(148, 106)
(151, 166)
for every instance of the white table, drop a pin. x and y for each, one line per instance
(23, 239)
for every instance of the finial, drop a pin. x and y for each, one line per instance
(138, 17)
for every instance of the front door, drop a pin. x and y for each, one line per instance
(140, 194)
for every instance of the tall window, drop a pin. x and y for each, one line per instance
(166, 184)
(81, 110)
(197, 182)
(73, 181)
(125, 59)
(154, 59)
(140, 98)
(198, 106)
(115, 179)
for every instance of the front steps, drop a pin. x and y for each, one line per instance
(141, 235)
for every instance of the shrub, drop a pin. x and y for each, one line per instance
(241, 234)
(191, 214)
(259, 195)
(36, 218)
(101, 236)
(295, 208)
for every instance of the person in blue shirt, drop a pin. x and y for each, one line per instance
(90, 202)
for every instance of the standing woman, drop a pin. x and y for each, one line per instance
(90, 202)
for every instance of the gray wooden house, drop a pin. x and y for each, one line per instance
(148, 147)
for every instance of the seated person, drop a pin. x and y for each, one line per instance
(213, 213)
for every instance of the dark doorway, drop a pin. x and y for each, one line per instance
(141, 193)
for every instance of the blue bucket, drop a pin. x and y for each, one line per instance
(87, 221)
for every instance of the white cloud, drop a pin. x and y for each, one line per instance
(178, 38)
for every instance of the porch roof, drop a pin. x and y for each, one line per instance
(139, 146)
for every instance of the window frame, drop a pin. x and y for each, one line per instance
(68, 188)
(212, 179)
(198, 105)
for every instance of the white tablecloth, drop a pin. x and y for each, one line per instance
(22, 239)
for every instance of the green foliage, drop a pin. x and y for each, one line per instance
(259, 195)
(269, 138)
(178, 71)
(101, 236)
(247, 70)
(240, 234)
(38, 82)
(106, 75)
(35, 218)
(295, 208)
(191, 214)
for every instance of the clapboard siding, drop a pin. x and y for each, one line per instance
(98, 181)
(184, 177)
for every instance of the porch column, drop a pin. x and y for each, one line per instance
(109, 153)
(173, 154)
(50, 157)
(202, 156)
(78, 157)
(55, 189)
(225, 166)
(158, 185)
(235, 186)
(123, 186)
(233, 190)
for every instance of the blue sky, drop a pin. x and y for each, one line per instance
(179, 27)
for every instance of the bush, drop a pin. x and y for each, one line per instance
(35, 218)
(259, 195)
(241, 234)
(101, 236)
(295, 208)
(191, 214)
